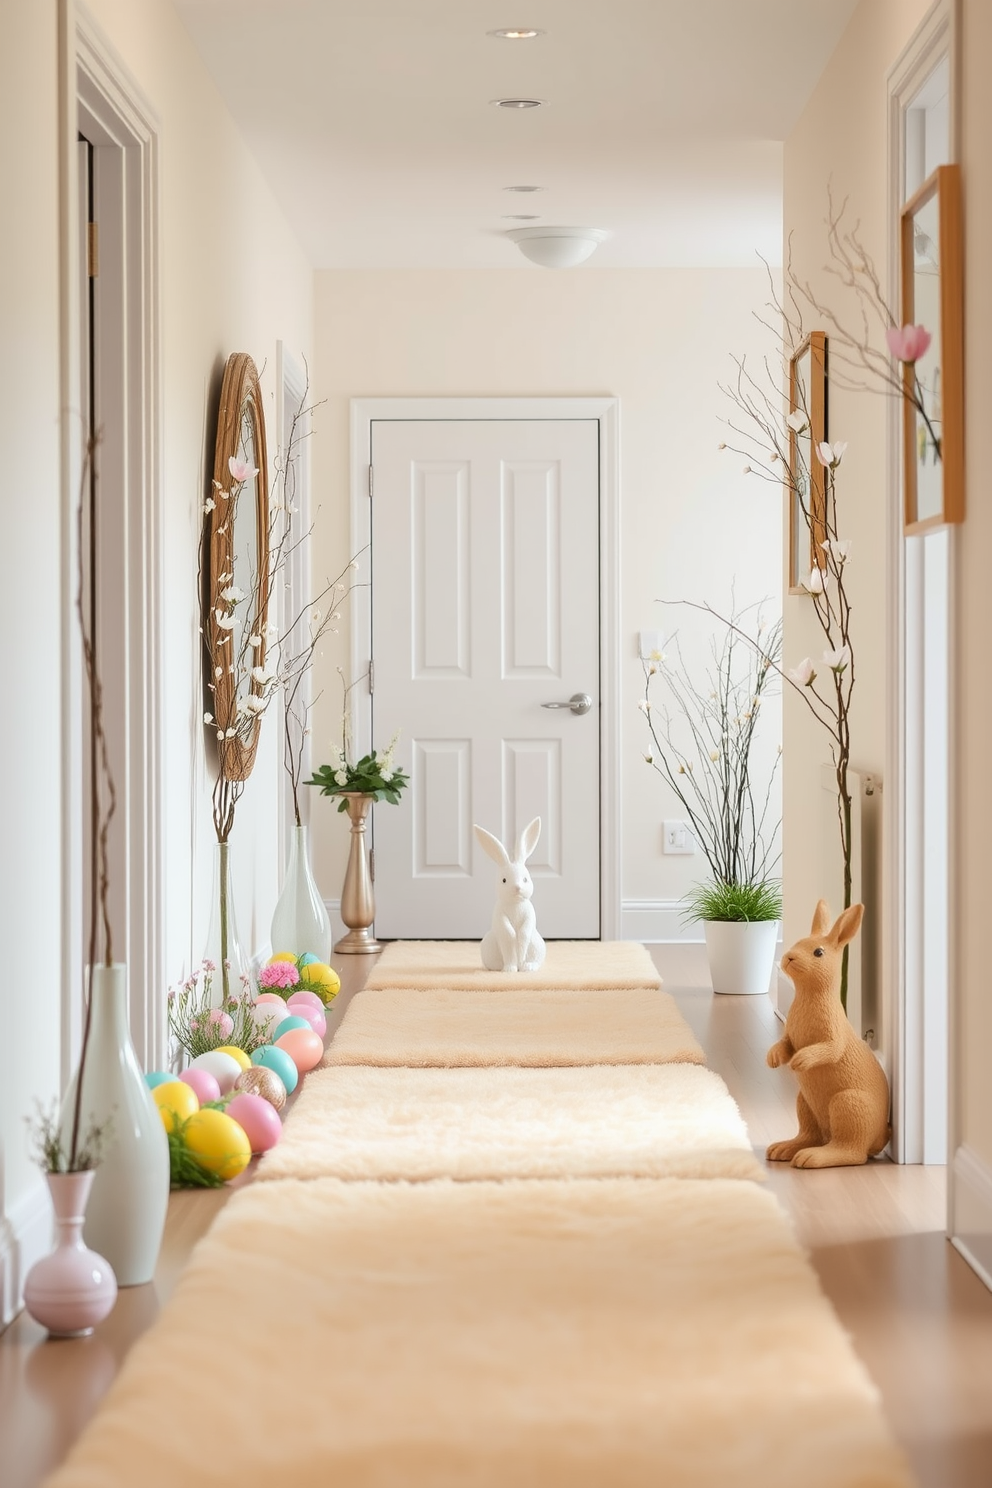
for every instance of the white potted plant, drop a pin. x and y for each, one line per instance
(703, 745)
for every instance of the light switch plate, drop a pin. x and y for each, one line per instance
(676, 837)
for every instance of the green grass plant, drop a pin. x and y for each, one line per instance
(739, 903)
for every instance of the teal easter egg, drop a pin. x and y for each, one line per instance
(307, 959)
(293, 1021)
(157, 1077)
(279, 1062)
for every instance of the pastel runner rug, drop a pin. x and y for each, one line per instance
(639, 1121)
(572, 1334)
(601, 965)
(445, 1028)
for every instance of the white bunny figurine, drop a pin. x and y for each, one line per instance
(513, 943)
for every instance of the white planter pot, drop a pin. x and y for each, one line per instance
(740, 955)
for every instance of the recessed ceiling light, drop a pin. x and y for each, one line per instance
(525, 188)
(521, 216)
(517, 103)
(516, 33)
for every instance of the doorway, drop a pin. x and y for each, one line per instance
(492, 533)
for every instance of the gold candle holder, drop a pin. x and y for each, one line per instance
(357, 898)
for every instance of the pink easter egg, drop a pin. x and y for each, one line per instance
(303, 1046)
(223, 1021)
(314, 1016)
(305, 999)
(271, 997)
(258, 1120)
(203, 1084)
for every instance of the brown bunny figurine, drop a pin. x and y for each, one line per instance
(843, 1101)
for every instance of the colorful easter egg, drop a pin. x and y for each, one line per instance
(293, 1021)
(224, 1069)
(322, 979)
(222, 1021)
(176, 1101)
(281, 1064)
(260, 1080)
(303, 1046)
(304, 998)
(307, 959)
(236, 1054)
(203, 1083)
(283, 956)
(259, 1121)
(218, 1143)
(157, 1077)
(314, 1017)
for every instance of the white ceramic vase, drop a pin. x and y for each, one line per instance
(301, 922)
(125, 1215)
(740, 954)
(72, 1289)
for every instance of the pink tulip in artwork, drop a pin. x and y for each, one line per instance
(908, 343)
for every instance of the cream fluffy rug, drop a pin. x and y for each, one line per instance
(601, 965)
(638, 1121)
(591, 1334)
(442, 1028)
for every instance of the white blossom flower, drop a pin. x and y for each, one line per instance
(797, 421)
(241, 470)
(644, 705)
(341, 777)
(263, 675)
(387, 775)
(232, 595)
(218, 671)
(714, 754)
(831, 455)
(209, 505)
(255, 641)
(208, 718)
(838, 661)
(649, 759)
(818, 580)
(840, 550)
(803, 675)
(226, 622)
(254, 703)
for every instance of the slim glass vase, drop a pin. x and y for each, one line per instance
(125, 1215)
(357, 899)
(223, 948)
(301, 922)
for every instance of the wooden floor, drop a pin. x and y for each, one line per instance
(920, 1319)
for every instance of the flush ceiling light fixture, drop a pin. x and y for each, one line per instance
(525, 188)
(518, 103)
(516, 33)
(558, 247)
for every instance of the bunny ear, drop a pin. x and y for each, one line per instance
(492, 846)
(848, 924)
(821, 918)
(527, 841)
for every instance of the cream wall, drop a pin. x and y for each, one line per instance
(840, 139)
(691, 522)
(971, 1121)
(233, 278)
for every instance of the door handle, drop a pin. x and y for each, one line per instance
(579, 702)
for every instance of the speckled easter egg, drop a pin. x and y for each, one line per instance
(260, 1080)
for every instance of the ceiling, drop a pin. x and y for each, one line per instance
(663, 121)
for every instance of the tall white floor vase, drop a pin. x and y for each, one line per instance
(301, 922)
(740, 954)
(125, 1215)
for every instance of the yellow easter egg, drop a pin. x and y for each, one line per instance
(283, 956)
(218, 1143)
(238, 1055)
(322, 979)
(176, 1101)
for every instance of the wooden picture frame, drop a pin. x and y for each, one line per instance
(931, 263)
(807, 487)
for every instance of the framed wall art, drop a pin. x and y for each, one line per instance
(933, 380)
(807, 429)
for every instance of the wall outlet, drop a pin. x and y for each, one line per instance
(676, 837)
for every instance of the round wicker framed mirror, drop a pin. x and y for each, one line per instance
(236, 597)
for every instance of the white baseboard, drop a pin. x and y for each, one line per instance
(655, 920)
(971, 1211)
(25, 1236)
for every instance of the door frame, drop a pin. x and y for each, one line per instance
(606, 412)
(97, 88)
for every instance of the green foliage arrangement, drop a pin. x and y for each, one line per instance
(373, 775)
(47, 1148)
(740, 903)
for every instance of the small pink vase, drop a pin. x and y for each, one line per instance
(73, 1289)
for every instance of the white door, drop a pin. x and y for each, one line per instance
(485, 608)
